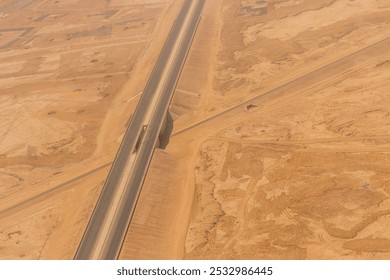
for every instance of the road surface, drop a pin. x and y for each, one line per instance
(107, 227)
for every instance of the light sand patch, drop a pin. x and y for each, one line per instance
(11, 67)
(59, 27)
(289, 27)
(50, 63)
(283, 4)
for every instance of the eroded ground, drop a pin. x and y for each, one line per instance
(305, 173)
(300, 181)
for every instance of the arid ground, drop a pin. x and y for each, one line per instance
(281, 127)
(71, 75)
(282, 152)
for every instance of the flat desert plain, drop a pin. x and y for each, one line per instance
(281, 125)
(71, 74)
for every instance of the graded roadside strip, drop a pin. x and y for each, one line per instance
(108, 225)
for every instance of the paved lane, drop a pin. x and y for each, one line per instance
(106, 230)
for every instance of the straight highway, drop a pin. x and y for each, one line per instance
(108, 225)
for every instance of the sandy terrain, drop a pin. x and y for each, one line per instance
(282, 151)
(279, 148)
(71, 74)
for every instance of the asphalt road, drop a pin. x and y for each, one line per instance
(108, 225)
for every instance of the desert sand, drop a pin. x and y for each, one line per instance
(71, 75)
(280, 142)
(281, 153)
